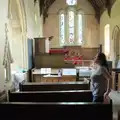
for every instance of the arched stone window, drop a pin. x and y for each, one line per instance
(71, 25)
(107, 39)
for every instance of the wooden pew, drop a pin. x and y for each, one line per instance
(51, 96)
(54, 86)
(55, 111)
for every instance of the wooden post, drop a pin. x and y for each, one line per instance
(118, 115)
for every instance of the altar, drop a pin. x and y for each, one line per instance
(60, 75)
(53, 75)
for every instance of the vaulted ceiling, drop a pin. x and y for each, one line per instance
(99, 6)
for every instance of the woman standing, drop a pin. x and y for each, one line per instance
(100, 79)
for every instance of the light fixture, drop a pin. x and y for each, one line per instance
(71, 2)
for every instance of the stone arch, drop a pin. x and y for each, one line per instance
(21, 8)
(24, 31)
(116, 39)
(18, 27)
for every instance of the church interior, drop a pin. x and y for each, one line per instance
(47, 48)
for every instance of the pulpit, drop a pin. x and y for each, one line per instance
(41, 45)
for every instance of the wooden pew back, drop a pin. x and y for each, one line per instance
(55, 111)
(51, 96)
(54, 86)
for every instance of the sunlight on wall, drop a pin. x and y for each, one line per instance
(107, 39)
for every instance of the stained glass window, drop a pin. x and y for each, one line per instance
(80, 39)
(71, 26)
(71, 2)
(62, 29)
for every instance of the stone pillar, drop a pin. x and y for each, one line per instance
(4, 17)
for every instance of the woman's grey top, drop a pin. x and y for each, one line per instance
(98, 81)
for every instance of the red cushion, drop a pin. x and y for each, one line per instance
(58, 51)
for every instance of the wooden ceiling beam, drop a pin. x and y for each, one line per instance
(96, 8)
(101, 5)
(98, 5)
(44, 7)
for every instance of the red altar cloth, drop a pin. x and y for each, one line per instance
(75, 60)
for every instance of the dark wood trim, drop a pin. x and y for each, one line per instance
(56, 111)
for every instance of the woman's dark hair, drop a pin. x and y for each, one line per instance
(102, 60)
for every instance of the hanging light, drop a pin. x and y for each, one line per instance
(71, 2)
